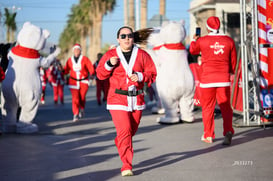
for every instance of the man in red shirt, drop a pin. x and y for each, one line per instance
(80, 68)
(218, 53)
(128, 68)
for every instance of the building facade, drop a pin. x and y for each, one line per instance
(228, 12)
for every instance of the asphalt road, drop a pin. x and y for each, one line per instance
(85, 151)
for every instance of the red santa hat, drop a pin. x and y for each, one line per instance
(77, 46)
(213, 24)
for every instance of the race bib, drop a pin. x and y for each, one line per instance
(77, 67)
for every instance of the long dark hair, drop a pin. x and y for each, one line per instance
(140, 36)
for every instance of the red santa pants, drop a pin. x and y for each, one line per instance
(102, 86)
(126, 124)
(78, 98)
(58, 92)
(208, 102)
(43, 92)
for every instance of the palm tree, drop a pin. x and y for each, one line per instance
(98, 8)
(86, 20)
(125, 10)
(83, 23)
(68, 37)
(76, 30)
(132, 14)
(143, 14)
(162, 7)
(10, 24)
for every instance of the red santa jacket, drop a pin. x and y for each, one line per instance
(79, 71)
(218, 53)
(140, 63)
(56, 74)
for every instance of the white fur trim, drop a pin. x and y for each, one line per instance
(140, 76)
(127, 68)
(76, 46)
(124, 108)
(218, 84)
(107, 67)
(213, 30)
(216, 34)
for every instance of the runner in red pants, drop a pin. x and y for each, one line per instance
(78, 99)
(57, 81)
(80, 68)
(219, 60)
(125, 132)
(128, 68)
(222, 96)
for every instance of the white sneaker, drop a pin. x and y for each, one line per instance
(127, 173)
(26, 128)
(207, 139)
(81, 113)
(168, 120)
(75, 118)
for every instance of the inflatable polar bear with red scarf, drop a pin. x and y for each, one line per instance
(175, 81)
(22, 85)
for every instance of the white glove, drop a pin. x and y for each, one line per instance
(57, 51)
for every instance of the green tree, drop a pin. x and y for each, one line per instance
(98, 8)
(76, 30)
(86, 20)
(10, 25)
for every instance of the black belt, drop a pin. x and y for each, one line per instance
(79, 79)
(128, 93)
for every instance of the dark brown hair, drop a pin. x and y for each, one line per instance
(140, 36)
(128, 27)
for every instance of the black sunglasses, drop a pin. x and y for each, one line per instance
(123, 36)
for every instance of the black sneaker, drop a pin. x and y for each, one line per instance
(228, 138)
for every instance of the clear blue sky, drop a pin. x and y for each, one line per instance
(53, 15)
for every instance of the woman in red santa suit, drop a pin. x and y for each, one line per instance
(128, 68)
(80, 68)
(219, 58)
(57, 80)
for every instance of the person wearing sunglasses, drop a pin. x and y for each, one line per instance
(128, 68)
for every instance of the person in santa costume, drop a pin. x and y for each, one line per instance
(22, 86)
(80, 68)
(101, 85)
(218, 53)
(128, 68)
(56, 77)
(43, 76)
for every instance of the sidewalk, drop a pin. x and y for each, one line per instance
(85, 151)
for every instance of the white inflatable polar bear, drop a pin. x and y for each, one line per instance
(22, 85)
(175, 81)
